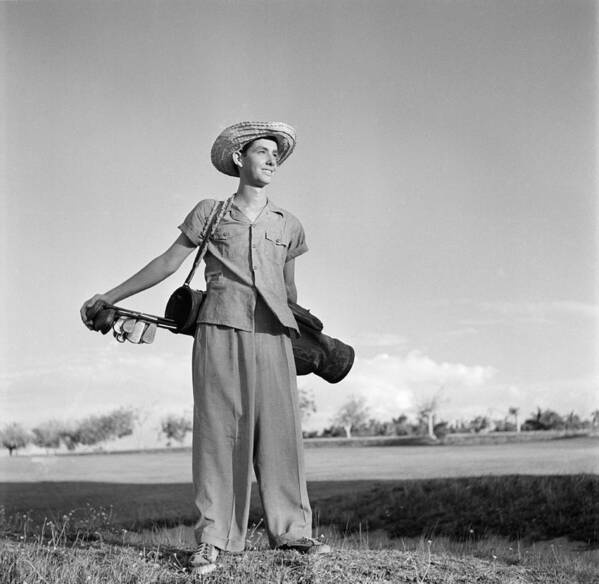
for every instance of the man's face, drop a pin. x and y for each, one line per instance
(259, 162)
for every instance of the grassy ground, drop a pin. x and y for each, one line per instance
(449, 439)
(565, 456)
(457, 524)
(518, 506)
(55, 558)
(497, 528)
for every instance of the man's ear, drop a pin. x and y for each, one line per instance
(237, 158)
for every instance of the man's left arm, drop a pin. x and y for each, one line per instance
(289, 276)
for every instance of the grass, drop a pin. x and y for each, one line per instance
(52, 556)
(514, 506)
(481, 529)
(517, 506)
(572, 456)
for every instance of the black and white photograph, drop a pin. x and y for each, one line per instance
(299, 291)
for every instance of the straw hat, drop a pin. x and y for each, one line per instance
(237, 136)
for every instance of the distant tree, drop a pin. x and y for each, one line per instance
(351, 414)
(307, 404)
(545, 420)
(95, 429)
(401, 426)
(310, 433)
(120, 423)
(573, 422)
(69, 435)
(460, 426)
(441, 429)
(14, 436)
(504, 425)
(426, 414)
(480, 424)
(595, 418)
(375, 427)
(514, 412)
(175, 428)
(86, 432)
(333, 431)
(48, 434)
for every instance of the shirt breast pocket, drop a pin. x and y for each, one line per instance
(276, 244)
(276, 236)
(223, 240)
(221, 235)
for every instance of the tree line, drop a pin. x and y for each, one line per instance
(85, 432)
(88, 431)
(352, 419)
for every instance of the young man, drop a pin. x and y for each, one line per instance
(246, 411)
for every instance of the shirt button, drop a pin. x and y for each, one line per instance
(256, 267)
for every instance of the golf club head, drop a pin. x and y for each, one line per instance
(149, 334)
(138, 330)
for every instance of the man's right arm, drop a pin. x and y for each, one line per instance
(154, 272)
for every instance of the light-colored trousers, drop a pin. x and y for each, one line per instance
(246, 415)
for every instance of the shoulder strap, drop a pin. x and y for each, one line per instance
(218, 212)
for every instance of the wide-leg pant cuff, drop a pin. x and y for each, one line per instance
(289, 537)
(222, 543)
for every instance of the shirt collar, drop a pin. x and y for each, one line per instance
(274, 208)
(236, 213)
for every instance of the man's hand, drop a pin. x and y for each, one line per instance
(87, 316)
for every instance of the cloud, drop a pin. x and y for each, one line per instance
(504, 312)
(393, 384)
(541, 311)
(114, 376)
(377, 340)
(579, 394)
(159, 381)
(464, 331)
(474, 323)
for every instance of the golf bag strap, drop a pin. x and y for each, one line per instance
(218, 212)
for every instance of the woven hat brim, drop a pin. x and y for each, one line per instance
(237, 136)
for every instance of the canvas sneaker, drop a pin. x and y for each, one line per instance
(306, 545)
(203, 560)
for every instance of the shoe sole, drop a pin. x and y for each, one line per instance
(308, 551)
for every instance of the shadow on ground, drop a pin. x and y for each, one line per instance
(134, 505)
(514, 506)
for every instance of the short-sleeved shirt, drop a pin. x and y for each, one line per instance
(245, 258)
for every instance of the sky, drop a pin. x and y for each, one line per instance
(445, 174)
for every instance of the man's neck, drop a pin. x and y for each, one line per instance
(251, 197)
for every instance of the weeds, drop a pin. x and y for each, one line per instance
(518, 507)
(390, 532)
(422, 568)
(70, 552)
